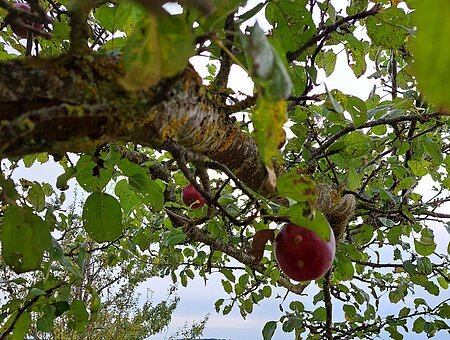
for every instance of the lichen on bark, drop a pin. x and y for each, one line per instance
(81, 105)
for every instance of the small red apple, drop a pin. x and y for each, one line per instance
(20, 31)
(301, 254)
(192, 198)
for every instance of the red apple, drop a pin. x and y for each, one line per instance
(301, 254)
(191, 197)
(20, 31)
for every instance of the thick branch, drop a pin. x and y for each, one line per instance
(73, 104)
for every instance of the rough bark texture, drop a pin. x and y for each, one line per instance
(75, 104)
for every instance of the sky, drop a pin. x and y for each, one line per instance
(197, 299)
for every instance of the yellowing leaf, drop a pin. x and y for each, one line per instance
(432, 60)
(159, 47)
(268, 119)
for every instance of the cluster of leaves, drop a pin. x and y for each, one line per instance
(378, 149)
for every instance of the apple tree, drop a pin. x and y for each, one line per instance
(114, 95)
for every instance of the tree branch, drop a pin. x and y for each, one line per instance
(332, 28)
(328, 306)
(82, 105)
(318, 152)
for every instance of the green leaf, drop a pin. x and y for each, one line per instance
(419, 168)
(356, 55)
(316, 222)
(288, 19)
(227, 287)
(21, 327)
(174, 237)
(45, 322)
(335, 103)
(102, 217)
(24, 237)
(268, 119)
(350, 312)
(356, 144)
(160, 47)
(320, 314)
(129, 200)
(56, 253)
(292, 323)
(424, 265)
(91, 176)
(114, 18)
(269, 330)
(357, 109)
(218, 304)
(8, 189)
(344, 266)
(357, 6)
(61, 307)
(443, 282)
(299, 79)
(364, 235)
(388, 28)
(28, 160)
(404, 312)
(61, 181)
(37, 292)
(36, 197)
(327, 61)
(354, 179)
(318, 297)
(267, 291)
(78, 316)
(149, 192)
(228, 273)
(431, 59)
(397, 295)
(426, 245)
(434, 149)
(419, 325)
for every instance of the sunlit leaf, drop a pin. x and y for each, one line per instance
(160, 47)
(432, 61)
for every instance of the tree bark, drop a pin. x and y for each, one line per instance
(73, 104)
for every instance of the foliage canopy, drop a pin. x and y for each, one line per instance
(107, 91)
